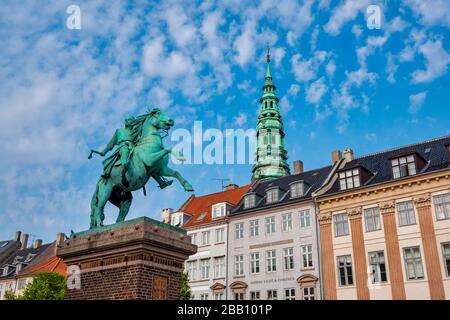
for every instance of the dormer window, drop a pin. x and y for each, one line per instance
(5, 270)
(272, 195)
(298, 189)
(403, 166)
(249, 201)
(219, 210)
(349, 179)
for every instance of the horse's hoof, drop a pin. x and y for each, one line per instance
(188, 188)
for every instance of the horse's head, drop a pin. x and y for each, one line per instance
(160, 120)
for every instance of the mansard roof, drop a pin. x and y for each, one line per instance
(434, 153)
(313, 179)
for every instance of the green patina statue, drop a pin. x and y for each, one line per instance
(139, 155)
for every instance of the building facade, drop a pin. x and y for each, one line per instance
(205, 219)
(272, 242)
(385, 224)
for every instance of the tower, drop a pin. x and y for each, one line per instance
(271, 155)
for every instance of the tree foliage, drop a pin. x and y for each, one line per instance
(185, 291)
(45, 286)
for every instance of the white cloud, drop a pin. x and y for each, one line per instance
(330, 68)
(356, 30)
(244, 45)
(161, 97)
(315, 91)
(371, 137)
(278, 55)
(347, 11)
(436, 61)
(180, 29)
(391, 68)
(416, 101)
(240, 119)
(293, 89)
(431, 12)
(314, 36)
(306, 70)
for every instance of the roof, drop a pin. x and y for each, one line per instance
(197, 206)
(313, 178)
(53, 264)
(434, 152)
(7, 248)
(25, 256)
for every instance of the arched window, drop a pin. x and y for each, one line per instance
(271, 104)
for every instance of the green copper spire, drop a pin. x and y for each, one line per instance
(271, 154)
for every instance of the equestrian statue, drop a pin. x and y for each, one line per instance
(139, 156)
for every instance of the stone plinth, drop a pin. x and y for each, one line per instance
(137, 259)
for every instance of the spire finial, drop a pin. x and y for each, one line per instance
(268, 52)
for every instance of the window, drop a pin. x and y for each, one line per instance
(442, 206)
(272, 295)
(239, 230)
(270, 225)
(219, 296)
(345, 270)
(446, 253)
(403, 167)
(349, 179)
(288, 257)
(308, 293)
(289, 294)
(255, 295)
(341, 225)
(205, 268)
(372, 219)
(22, 284)
(272, 195)
(307, 256)
(287, 222)
(297, 189)
(377, 267)
(239, 265)
(239, 296)
(254, 228)
(203, 296)
(4, 244)
(220, 235)
(205, 238)
(219, 211)
(271, 261)
(219, 267)
(305, 218)
(249, 201)
(413, 263)
(200, 217)
(194, 238)
(191, 269)
(254, 262)
(406, 215)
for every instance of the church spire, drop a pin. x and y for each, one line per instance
(271, 155)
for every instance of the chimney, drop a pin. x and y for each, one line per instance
(24, 241)
(37, 243)
(60, 237)
(336, 155)
(17, 237)
(231, 186)
(298, 166)
(348, 155)
(165, 215)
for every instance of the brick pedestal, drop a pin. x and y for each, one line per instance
(136, 259)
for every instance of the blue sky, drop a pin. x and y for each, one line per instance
(340, 85)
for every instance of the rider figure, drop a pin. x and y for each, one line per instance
(122, 139)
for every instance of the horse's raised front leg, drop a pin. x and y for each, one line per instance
(153, 158)
(167, 172)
